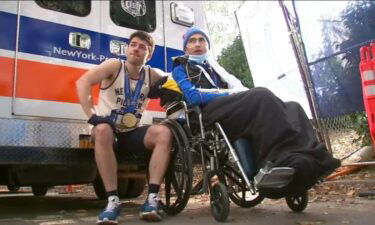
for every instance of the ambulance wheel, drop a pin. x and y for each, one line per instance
(39, 190)
(13, 188)
(219, 202)
(297, 203)
(122, 185)
(135, 187)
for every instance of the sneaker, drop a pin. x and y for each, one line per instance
(150, 212)
(111, 212)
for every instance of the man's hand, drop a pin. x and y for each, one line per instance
(156, 87)
(95, 120)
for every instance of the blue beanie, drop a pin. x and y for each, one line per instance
(194, 30)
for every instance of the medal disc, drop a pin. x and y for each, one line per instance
(129, 120)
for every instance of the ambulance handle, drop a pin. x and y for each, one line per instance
(79, 40)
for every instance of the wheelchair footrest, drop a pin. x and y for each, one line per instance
(277, 177)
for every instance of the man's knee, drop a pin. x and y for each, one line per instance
(261, 95)
(160, 133)
(261, 92)
(103, 133)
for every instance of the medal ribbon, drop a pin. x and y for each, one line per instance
(131, 98)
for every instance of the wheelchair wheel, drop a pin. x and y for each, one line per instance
(219, 202)
(297, 203)
(179, 177)
(239, 194)
(245, 199)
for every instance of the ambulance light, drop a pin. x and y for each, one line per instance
(117, 47)
(79, 40)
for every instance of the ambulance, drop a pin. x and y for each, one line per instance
(45, 46)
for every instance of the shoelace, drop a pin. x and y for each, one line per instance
(112, 205)
(154, 202)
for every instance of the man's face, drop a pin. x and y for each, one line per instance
(138, 51)
(196, 45)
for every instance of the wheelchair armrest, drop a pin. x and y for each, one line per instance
(196, 109)
(174, 106)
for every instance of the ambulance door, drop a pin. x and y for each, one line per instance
(179, 16)
(58, 42)
(119, 19)
(8, 34)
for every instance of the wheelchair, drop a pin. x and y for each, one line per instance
(229, 171)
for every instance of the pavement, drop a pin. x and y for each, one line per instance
(77, 208)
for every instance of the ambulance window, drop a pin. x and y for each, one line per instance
(77, 7)
(135, 14)
(182, 14)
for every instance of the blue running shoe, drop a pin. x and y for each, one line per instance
(111, 212)
(150, 212)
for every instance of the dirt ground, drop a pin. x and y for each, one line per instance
(333, 202)
(330, 203)
(348, 199)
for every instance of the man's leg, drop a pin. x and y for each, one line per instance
(107, 166)
(159, 139)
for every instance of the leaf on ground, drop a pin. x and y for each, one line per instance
(309, 222)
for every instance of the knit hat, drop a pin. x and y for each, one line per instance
(194, 30)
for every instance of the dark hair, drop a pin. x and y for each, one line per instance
(145, 37)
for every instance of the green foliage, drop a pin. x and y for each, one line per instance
(360, 125)
(359, 19)
(233, 59)
(337, 80)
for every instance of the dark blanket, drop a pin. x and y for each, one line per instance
(278, 132)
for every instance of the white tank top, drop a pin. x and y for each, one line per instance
(113, 96)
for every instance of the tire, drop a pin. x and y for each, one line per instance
(245, 199)
(135, 188)
(219, 202)
(122, 186)
(297, 203)
(238, 192)
(99, 188)
(179, 177)
(13, 189)
(39, 190)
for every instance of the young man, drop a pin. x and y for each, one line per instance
(279, 133)
(124, 90)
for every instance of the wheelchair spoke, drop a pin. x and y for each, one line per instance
(176, 187)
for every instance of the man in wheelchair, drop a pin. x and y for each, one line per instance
(281, 137)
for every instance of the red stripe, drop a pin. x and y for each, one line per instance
(6, 76)
(154, 105)
(43, 81)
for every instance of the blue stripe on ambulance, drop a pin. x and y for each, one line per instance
(8, 31)
(50, 39)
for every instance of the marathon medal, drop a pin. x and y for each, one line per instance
(129, 120)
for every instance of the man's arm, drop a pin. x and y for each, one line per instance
(157, 79)
(192, 95)
(105, 70)
(234, 84)
(155, 75)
